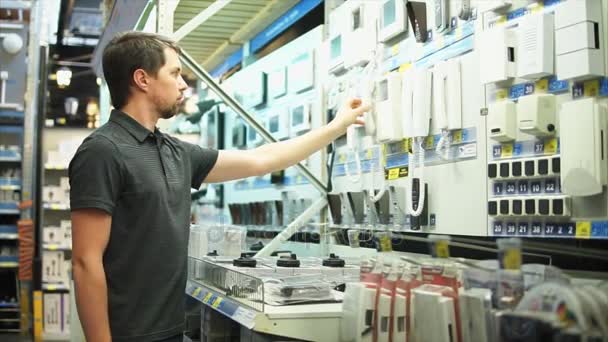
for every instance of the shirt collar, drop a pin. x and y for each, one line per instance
(138, 131)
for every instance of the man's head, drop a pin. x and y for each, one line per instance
(145, 65)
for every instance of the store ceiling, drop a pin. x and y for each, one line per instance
(222, 34)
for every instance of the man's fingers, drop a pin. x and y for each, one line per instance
(354, 103)
(360, 121)
(362, 108)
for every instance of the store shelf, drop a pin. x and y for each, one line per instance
(311, 322)
(9, 113)
(10, 184)
(9, 208)
(55, 337)
(55, 247)
(54, 287)
(11, 129)
(6, 305)
(8, 232)
(56, 206)
(55, 167)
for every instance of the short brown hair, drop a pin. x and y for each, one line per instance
(128, 52)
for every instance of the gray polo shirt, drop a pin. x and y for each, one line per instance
(143, 180)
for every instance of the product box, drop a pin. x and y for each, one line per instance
(52, 312)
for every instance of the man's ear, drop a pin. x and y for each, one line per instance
(141, 79)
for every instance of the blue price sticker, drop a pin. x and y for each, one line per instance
(498, 188)
(599, 229)
(522, 187)
(517, 91)
(511, 228)
(498, 228)
(550, 229)
(561, 230)
(557, 86)
(517, 13)
(496, 151)
(522, 229)
(604, 87)
(517, 149)
(550, 186)
(536, 229)
(511, 188)
(465, 135)
(536, 187)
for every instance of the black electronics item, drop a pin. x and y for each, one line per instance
(334, 261)
(516, 207)
(423, 219)
(291, 261)
(504, 170)
(519, 327)
(357, 204)
(239, 135)
(281, 254)
(504, 207)
(279, 208)
(530, 207)
(543, 166)
(383, 206)
(466, 12)
(257, 246)
(543, 206)
(556, 165)
(244, 261)
(212, 254)
(529, 168)
(277, 177)
(492, 208)
(335, 207)
(558, 206)
(516, 169)
(492, 170)
(416, 12)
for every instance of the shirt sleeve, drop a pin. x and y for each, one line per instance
(202, 161)
(95, 175)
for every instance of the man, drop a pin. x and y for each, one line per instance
(130, 194)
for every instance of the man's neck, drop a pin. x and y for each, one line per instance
(141, 113)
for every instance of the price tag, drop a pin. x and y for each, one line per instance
(407, 143)
(342, 158)
(207, 298)
(591, 88)
(542, 86)
(52, 247)
(404, 67)
(507, 150)
(511, 228)
(498, 229)
(537, 229)
(517, 149)
(557, 86)
(539, 147)
(457, 137)
(368, 153)
(550, 186)
(502, 94)
(393, 174)
(429, 142)
(385, 243)
(196, 292)
(599, 229)
(442, 249)
(550, 146)
(395, 49)
(511, 188)
(583, 230)
(561, 230)
(52, 287)
(522, 187)
(217, 302)
(550, 229)
(536, 187)
(496, 151)
(577, 90)
(458, 32)
(570, 229)
(517, 91)
(522, 229)
(498, 188)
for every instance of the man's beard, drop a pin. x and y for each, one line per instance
(167, 113)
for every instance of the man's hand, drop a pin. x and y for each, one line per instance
(350, 113)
